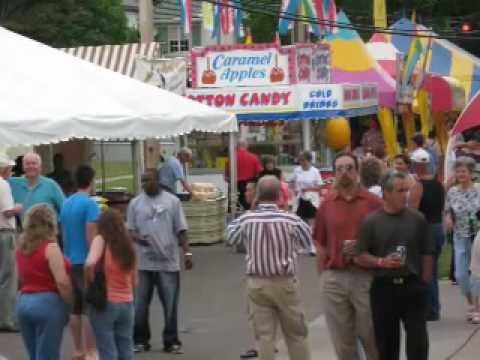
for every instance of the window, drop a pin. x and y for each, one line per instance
(176, 46)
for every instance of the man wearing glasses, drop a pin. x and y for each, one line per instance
(345, 286)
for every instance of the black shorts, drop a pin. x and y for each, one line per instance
(78, 284)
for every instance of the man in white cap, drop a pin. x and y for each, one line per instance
(428, 196)
(8, 276)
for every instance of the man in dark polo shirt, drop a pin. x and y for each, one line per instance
(345, 286)
(396, 242)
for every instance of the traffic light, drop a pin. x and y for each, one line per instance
(466, 27)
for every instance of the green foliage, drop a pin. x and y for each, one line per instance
(68, 23)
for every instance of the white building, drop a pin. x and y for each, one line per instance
(167, 24)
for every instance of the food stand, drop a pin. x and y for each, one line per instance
(277, 93)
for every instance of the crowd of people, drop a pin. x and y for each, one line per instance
(75, 266)
(378, 235)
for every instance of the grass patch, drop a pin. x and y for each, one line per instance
(124, 183)
(113, 168)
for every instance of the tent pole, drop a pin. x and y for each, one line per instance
(306, 134)
(233, 172)
(138, 164)
(102, 164)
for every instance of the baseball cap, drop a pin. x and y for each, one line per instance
(420, 156)
(5, 161)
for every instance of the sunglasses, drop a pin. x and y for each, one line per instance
(345, 168)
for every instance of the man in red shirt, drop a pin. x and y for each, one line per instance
(345, 286)
(248, 169)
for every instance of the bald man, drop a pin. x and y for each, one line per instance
(32, 188)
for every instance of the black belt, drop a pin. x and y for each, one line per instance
(396, 280)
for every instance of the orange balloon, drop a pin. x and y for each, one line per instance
(338, 133)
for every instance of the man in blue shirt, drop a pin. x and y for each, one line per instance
(172, 171)
(32, 188)
(78, 219)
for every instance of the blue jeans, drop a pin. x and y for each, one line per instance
(433, 292)
(168, 289)
(113, 330)
(42, 318)
(463, 251)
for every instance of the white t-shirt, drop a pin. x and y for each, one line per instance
(304, 179)
(6, 203)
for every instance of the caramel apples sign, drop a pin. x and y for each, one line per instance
(243, 65)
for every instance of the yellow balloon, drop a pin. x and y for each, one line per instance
(338, 133)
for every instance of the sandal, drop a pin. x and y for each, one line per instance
(476, 318)
(470, 313)
(249, 354)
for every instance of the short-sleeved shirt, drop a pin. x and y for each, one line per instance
(381, 233)
(170, 172)
(158, 220)
(6, 203)
(306, 178)
(338, 220)
(46, 191)
(248, 165)
(78, 211)
(464, 205)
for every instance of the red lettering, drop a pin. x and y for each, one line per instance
(209, 99)
(244, 99)
(230, 99)
(347, 95)
(356, 94)
(254, 100)
(275, 98)
(265, 98)
(285, 97)
(219, 100)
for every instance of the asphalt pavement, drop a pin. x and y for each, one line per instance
(214, 325)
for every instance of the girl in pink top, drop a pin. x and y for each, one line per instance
(113, 327)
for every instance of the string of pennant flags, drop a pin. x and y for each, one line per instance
(226, 16)
(314, 9)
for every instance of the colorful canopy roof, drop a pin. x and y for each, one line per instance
(469, 118)
(352, 63)
(384, 53)
(445, 59)
(446, 93)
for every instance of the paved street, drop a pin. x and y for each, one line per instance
(214, 323)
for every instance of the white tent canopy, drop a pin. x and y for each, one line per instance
(48, 96)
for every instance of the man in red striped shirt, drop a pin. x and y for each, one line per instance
(272, 238)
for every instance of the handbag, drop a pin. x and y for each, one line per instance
(96, 292)
(306, 210)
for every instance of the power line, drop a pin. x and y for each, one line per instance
(421, 33)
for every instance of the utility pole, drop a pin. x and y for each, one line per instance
(144, 151)
(145, 17)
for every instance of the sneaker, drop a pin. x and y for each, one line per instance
(174, 349)
(138, 348)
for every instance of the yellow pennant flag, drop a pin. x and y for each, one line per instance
(207, 16)
(387, 123)
(248, 38)
(380, 13)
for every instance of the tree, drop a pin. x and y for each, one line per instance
(68, 23)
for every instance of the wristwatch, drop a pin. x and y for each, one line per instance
(188, 254)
